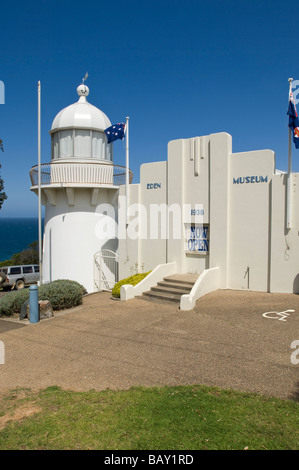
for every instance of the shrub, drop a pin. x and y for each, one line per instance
(12, 303)
(133, 280)
(7, 262)
(61, 293)
(70, 283)
(28, 256)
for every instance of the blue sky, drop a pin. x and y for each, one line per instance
(178, 68)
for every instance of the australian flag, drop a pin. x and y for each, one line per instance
(293, 120)
(117, 131)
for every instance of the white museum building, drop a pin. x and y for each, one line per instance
(227, 220)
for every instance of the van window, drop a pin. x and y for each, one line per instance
(27, 269)
(15, 270)
(3, 270)
(36, 269)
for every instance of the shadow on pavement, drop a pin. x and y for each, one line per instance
(7, 326)
(295, 395)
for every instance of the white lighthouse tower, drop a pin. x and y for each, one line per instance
(79, 190)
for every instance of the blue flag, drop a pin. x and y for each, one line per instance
(117, 131)
(293, 120)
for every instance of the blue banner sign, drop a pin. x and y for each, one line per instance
(198, 238)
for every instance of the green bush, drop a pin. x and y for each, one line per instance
(5, 263)
(12, 303)
(133, 280)
(75, 284)
(27, 256)
(61, 293)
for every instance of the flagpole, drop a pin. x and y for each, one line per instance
(39, 181)
(289, 180)
(127, 170)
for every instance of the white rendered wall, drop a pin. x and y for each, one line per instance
(249, 183)
(175, 197)
(154, 223)
(244, 206)
(188, 188)
(220, 149)
(196, 191)
(129, 251)
(285, 243)
(144, 246)
(165, 187)
(74, 233)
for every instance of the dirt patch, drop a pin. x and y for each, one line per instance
(23, 411)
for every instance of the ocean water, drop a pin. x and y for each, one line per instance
(16, 234)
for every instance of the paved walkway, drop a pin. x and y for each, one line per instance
(225, 341)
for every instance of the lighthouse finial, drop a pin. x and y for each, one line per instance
(85, 78)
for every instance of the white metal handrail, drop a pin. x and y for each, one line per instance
(106, 270)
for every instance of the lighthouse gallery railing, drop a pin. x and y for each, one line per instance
(77, 172)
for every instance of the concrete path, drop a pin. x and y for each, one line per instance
(225, 341)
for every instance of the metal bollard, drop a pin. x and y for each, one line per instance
(33, 304)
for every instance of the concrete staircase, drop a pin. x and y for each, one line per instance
(171, 288)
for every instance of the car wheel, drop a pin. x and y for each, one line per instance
(2, 277)
(20, 284)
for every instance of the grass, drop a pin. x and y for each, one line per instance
(166, 418)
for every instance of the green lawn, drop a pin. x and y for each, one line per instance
(166, 418)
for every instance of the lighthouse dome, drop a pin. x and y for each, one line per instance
(77, 131)
(81, 114)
